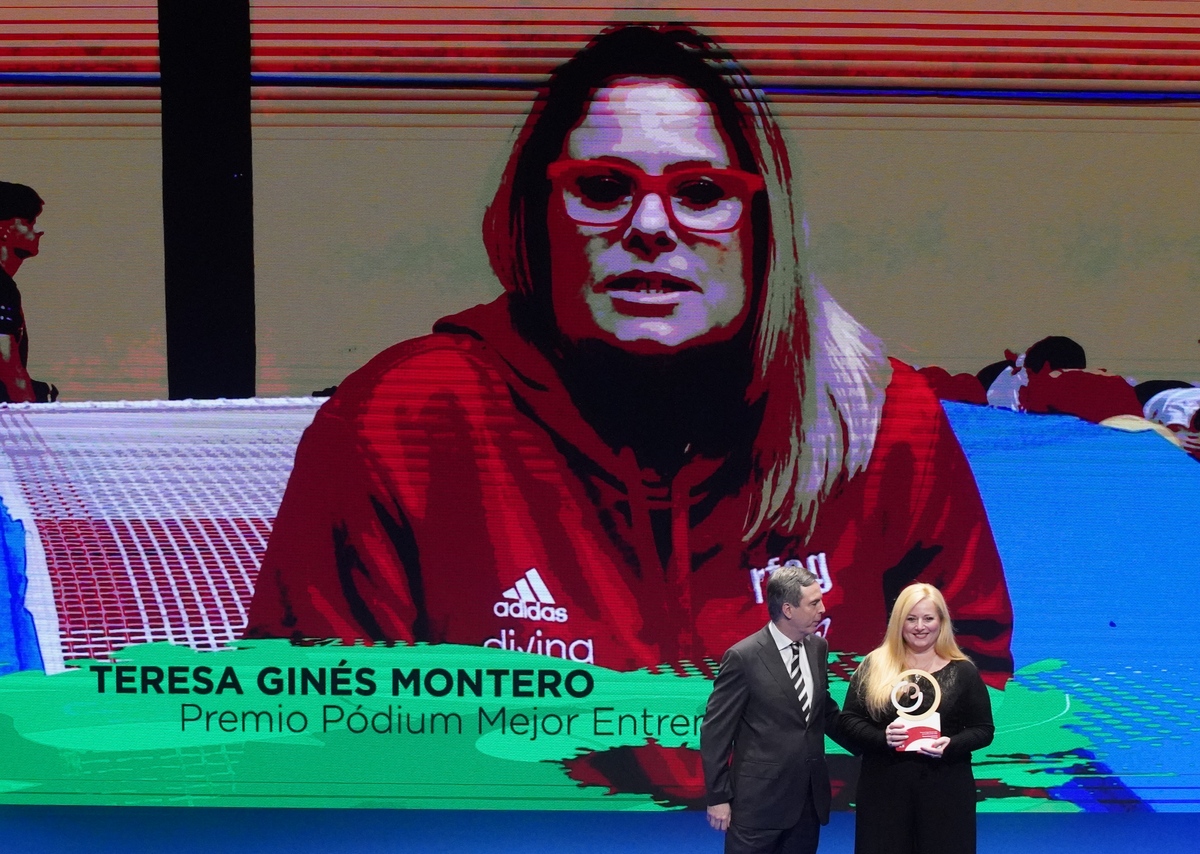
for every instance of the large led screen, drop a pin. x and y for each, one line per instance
(567, 341)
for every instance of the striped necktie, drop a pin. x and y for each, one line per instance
(798, 680)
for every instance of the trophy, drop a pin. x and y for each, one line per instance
(917, 711)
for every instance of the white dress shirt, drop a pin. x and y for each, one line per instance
(784, 644)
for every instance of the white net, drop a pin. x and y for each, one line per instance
(145, 521)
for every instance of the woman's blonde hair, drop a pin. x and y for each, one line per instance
(884, 664)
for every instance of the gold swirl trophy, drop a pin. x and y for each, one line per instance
(917, 696)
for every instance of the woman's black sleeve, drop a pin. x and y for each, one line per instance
(975, 711)
(859, 731)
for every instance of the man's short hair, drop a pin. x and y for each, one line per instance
(987, 374)
(1057, 351)
(19, 202)
(785, 585)
(1149, 388)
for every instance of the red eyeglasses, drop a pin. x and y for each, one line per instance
(604, 193)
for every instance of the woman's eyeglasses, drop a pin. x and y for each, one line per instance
(604, 193)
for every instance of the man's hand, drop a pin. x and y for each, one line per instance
(719, 816)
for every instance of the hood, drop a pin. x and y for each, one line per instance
(540, 391)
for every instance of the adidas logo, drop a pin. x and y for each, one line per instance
(530, 599)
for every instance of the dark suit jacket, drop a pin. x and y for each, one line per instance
(754, 716)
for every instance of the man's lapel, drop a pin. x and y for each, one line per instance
(775, 666)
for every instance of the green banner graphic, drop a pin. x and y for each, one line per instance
(451, 727)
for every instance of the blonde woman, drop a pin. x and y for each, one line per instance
(924, 799)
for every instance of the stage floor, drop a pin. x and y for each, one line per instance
(132, 830)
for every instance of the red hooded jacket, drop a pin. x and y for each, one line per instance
(450, 492)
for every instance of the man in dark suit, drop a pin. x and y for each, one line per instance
(769, 710)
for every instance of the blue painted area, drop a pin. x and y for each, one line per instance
(1098, 532)
(380, 81)
(1000, 93)
(1097, 529)
(91, 830)
(38, 78)
(18, 635)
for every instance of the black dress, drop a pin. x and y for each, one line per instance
(908, 802)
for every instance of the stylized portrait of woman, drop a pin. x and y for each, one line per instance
(605, 463)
